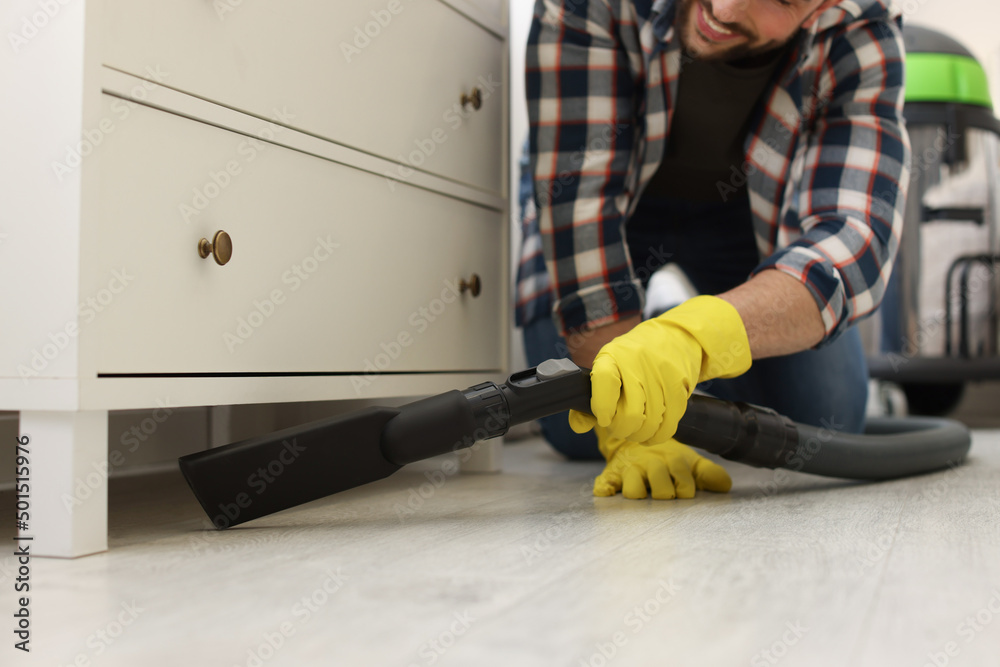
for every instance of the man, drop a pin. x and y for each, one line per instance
(757, 144)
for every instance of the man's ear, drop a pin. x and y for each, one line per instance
(816, 13)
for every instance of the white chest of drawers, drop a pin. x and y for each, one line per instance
(355, 154)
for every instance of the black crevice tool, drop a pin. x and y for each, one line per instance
(259, 476)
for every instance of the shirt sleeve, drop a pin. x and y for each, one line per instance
(581, 96)
(851, 196)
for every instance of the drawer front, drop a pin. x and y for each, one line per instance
(331, 270)
(351, 72)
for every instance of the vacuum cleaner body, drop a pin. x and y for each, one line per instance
(938, 326)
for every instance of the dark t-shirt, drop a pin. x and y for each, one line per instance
(715, 101)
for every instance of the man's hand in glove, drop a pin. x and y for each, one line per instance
(641, 381)
(668, 469)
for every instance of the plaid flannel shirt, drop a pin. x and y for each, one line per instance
(827, 158)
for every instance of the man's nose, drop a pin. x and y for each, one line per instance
(729, 11)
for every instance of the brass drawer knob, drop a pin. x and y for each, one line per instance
(474, 285)
(475, 99)
(220, 247)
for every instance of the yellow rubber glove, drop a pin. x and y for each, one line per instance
(669, 469)
(641, 381)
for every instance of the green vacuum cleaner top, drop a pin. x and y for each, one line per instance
(940, 69)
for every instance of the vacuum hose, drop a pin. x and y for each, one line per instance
(310, 461)
(741, 432)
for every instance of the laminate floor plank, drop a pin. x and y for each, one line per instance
(528, 568)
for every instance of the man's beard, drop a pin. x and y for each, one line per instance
(744, 49)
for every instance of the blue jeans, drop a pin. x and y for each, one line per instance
(713, 243)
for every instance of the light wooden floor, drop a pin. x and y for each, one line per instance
(526, 568)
